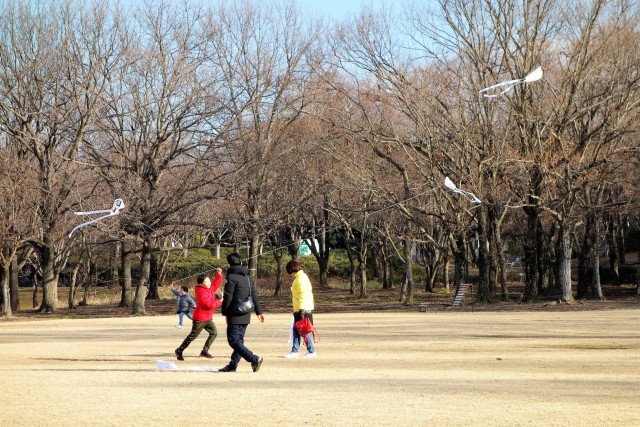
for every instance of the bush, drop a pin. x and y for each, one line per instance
(197, 261)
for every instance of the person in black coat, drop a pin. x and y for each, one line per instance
(238, 286)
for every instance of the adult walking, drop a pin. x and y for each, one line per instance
(302, 299)
(203, 314)
(238, 287)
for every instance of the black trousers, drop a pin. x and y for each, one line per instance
(235, 338)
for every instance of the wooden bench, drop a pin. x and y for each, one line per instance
(457, 300)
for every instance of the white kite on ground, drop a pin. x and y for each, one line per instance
(533, 76)
(469, 196)
(118, 205)
(163, 365)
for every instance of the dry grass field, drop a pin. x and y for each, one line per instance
(577, 368)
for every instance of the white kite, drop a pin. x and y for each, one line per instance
(118, 205)
(290, 340)
(533, 76)
(469, 196)
(163, 365)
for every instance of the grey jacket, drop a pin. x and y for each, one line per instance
(185, 302)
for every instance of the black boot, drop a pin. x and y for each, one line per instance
(256, 365)
(228, 368)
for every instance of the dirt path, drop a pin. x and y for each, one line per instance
(373, 369)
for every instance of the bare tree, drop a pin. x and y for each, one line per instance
(53, 70)
(267, 47)
(16, 216)
(160, 143)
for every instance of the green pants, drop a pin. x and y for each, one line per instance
(197, 327)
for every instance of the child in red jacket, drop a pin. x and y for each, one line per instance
(207, 302)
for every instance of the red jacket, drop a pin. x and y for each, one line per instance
(206, 301)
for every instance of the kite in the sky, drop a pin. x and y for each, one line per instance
(118, 205)
(505, 87)
(469, 196)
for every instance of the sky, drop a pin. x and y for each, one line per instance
(337, 9)
(331, 9)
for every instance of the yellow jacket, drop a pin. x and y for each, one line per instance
(301, 292)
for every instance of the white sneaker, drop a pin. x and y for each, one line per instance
(178, 326)
(291, 355)
(310, 355)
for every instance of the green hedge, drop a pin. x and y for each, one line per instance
(201, 260)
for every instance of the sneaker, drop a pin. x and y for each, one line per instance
(178, 326)
(256, 365)
(291, 355)
(205, 353)
(310, 355)
(179, 354)
(227, 368)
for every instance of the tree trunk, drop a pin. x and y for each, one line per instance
(377, 264)
(277, 255)
(321, 254)
(6, 296)
(294, 246)
(614, 258)
(386, 283)
(352, 269)
(502, 269)
(362, 267)
(431, 262)
(49, 277)
(114, 259)
(484, 259)
(143, 285)
(14, 284)
(125, 276)
(2, 297)
(596, 287)
(34, 299)
(87, 282)
(407, 267)
(622, 248)
(542, 254)
(564, 255)
(531, 257)
(585, 259)
(459, 261)
(497, 252)
(584, 271)
(153, 277)
(254, 249)
(72, 286)
(431, 278)
(547, 259)
(386, 280)
(445, 273)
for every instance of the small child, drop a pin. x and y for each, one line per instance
(185, 303)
